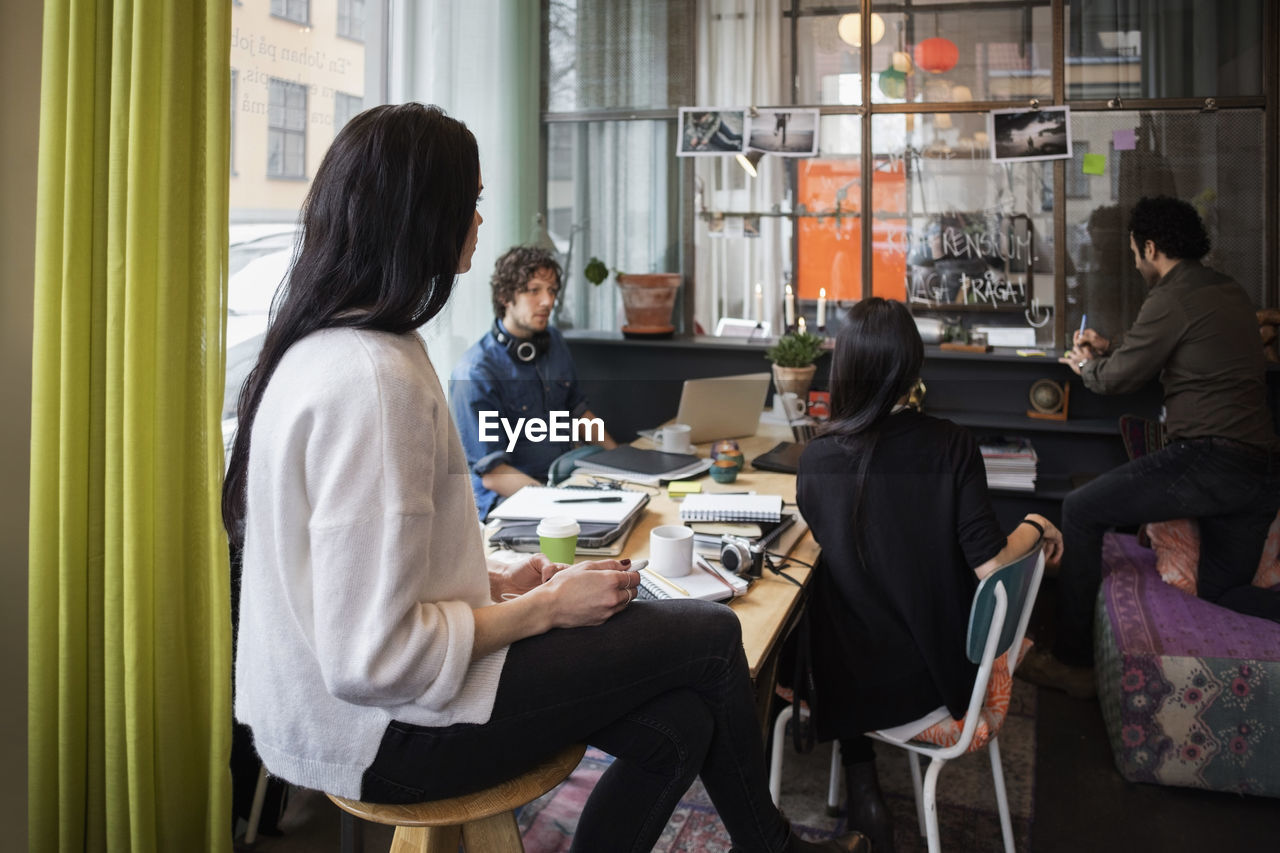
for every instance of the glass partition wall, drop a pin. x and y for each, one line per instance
(995, 147)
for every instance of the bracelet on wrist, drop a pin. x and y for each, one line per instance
(1037, 525)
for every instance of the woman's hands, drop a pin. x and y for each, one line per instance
(550, 595)
(515, 579)
(1051, 541)
(590, 592)
(1021, 540)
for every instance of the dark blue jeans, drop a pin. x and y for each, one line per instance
(662, 686)
(1233, 491)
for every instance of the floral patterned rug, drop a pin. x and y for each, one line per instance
(967, 815)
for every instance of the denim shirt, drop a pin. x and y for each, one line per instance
(488, 378)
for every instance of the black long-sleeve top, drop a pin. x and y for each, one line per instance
(889, 623)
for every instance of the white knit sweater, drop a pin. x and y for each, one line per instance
(362, 561)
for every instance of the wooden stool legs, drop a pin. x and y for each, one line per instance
(497, 832)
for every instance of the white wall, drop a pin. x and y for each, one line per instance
(20, 108)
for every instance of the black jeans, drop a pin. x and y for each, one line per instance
(1233, 492)
(662, 686)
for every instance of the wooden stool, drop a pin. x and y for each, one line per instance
(483, 821)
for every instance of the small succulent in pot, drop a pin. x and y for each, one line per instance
(795, 349)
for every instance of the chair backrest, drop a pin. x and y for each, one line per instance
(1020, 581)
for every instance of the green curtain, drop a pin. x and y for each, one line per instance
(129, 732)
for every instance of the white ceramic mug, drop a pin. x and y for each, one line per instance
(789, 405)
(674, 438)
(671, 550)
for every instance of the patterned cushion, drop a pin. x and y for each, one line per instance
(1190, 691)
(990, 718)
(1177, 547)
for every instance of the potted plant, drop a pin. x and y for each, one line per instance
(647, 298)
(793, 356)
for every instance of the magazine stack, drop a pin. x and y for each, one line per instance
(1010, 463)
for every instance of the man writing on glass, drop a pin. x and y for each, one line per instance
(521, 368)
(1197, 331)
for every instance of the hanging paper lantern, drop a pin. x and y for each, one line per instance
(901, 61)
(893, 84)
(937, 55)
(850, 29)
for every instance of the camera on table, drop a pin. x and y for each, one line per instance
(741, 556)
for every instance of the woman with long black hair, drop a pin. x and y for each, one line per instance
(379, 657)
(898, 502)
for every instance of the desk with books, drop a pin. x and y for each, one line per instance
(769, 607)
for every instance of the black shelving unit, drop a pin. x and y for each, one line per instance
(636, 384)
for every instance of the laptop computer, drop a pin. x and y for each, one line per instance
(721, 406)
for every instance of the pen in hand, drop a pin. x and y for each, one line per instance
(613, 500)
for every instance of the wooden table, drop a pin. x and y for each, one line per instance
(768, 608)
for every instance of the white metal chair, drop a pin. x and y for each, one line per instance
(997, 622)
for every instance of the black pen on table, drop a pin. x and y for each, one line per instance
(610, 500)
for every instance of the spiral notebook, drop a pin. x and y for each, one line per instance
(713, 507)
(703, 581)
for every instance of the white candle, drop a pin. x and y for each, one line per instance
(790, 307)
(800, 325)
(759, 303)
(822, 308)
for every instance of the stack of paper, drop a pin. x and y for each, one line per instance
(605, 517)
(775, 537)
(1010, 463)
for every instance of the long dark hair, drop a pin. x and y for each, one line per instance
(877, 359)
(383, 230)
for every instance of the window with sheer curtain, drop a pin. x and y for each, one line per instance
(904, 130)
(613, 76)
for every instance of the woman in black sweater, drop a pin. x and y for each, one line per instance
(898, 502)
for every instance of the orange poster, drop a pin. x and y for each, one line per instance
(830, 245)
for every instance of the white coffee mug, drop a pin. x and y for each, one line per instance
(674, 438)
(789, 405)
(671, 550)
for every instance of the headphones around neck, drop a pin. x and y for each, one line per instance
(523, 350)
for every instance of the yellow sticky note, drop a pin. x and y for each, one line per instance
(679, 488)
(1094, 164)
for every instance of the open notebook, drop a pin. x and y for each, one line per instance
(703, 582)
(608, 506)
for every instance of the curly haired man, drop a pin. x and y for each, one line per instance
(520, 369)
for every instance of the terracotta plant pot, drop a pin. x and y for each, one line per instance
(647, 300)
(794, 379)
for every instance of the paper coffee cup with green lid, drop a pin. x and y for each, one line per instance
(558, 538)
